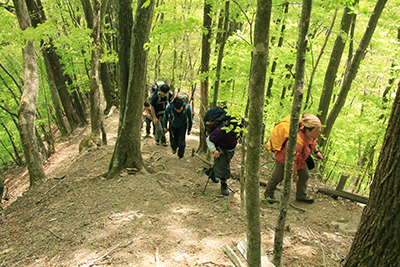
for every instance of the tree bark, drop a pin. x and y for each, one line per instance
(127, 147)
(27, 107)
(377, 237)
(334, 61)
(54, 97)
(204, 72)
(352, 71)
(221, 47)
(37, 17)
(291, 145)
(1, 187)
(256, 106)
(99, 9)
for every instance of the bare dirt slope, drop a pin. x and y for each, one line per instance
(78, 218)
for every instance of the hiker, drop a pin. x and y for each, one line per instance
(222, 145)
(306, 144)
(147, 117)
(179, 115)
(158, 105)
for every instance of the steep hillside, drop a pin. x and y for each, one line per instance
(77, 218)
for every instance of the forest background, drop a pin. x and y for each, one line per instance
(174, 55)
(79, 54)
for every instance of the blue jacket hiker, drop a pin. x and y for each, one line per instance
(158, 104)
(179, 116)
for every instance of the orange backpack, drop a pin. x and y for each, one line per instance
(279, 135)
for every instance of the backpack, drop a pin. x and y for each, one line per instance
(154, 90)
(213, 118)
(279, 135)
(183, 96)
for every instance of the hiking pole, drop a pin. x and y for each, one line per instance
(205, 186)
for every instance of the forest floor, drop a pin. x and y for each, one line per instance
(78, 218)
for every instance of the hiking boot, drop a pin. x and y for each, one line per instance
(269, 194)
(173, 151)
(164, 143)
(306, 199)
(182, 157)
(224, 189)
(157, 142)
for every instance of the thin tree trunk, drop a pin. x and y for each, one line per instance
(306, 105)
(223, 40)
(204, 72)
(352, 71)
(285, 7)
(333, 66)
(256, 106)
(27, 107)
(291, 146)
(54, 97)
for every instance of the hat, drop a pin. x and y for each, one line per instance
(311, 121)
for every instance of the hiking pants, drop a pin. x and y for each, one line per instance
(177, 138)
(160, 134)
(148, 126)
(277, 177)
(222, 168)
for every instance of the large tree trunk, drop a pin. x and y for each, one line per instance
(352, 71)
(204, 72)
(256, 106)
(127, 147)
(377, 239)
(27, 107)
(291, 145)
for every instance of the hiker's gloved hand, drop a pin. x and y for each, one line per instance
(216, 153)
(166, 130)
(189, 132)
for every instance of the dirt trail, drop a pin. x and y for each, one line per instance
(76, 218)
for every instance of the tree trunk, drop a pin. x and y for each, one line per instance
(27, 107)
(221, 47)
(285, 7)
(291, 145)
(256, 107)
(124, 22)
(54, 97)
(204, 72)
(377, 237)
(1, 187)
(99, 8)
(127, 147)
(38, 17)
(333, 66)
(352, 71)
